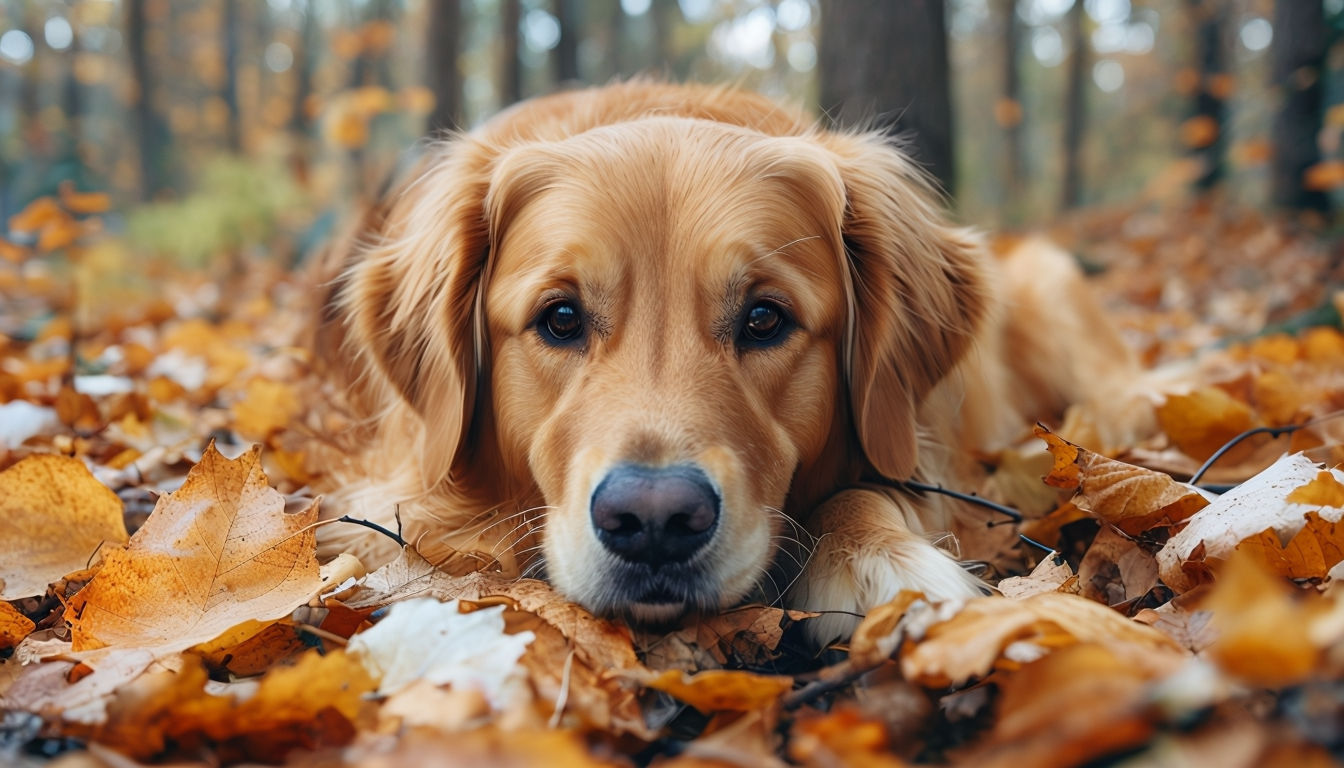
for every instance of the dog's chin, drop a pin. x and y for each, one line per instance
(659, 596)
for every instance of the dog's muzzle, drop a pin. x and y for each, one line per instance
(655, 516)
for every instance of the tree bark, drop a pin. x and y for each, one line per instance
(511, 65)
(229, 24)
(566, 52)
(1075, 110)
(1298, 70)
(1209, 110)
(1010, 113)
(150, 131)
(884, 64)
(443, 46)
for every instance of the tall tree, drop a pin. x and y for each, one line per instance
(444, 45)
(1009, 112)
(566, 51)
(150, 130)
(1075, 109)
(884, 64)
(300, 121)
(229, 29)
(511, 64)
(1205, 132)
(1298, 68)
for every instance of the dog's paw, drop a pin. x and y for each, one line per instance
(865, 557)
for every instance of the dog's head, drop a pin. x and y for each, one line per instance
(672, 330)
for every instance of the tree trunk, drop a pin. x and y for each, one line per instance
(511, 66)
(150, 131)
(1009, 114)
(300, 123)
(884, 64)
(73, 96)
(229, 22)
(1298, 69)
(616, 26)
(1075, 110)
(1205, 135)
(443, 46)
(566, 52)
(665, 13)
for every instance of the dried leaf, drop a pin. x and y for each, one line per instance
(1131, 498)
(1047, 576)
(718, 690)
(217, 552)
(1204, 420)
(1259, 506)
(55, 516)
(14, 626)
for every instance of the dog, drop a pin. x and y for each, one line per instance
(674, 347)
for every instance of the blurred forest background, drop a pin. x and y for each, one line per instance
(197, 128)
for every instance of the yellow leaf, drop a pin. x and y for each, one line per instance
(1324, 491)
(83, 203)
(1203, 421)
(266, 407)
(54, 516)
(36, 215)
(14, 254)
(717, 690)
(217, 552)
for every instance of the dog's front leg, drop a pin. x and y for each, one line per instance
(865, 555)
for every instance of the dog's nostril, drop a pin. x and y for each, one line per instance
(655, 515)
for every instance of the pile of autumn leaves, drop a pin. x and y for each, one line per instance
(1174, 625)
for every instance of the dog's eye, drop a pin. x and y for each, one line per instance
(560, 323)
(765, 324)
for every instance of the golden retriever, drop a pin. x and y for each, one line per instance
(673, 347)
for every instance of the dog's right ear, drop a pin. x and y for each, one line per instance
(406, 306)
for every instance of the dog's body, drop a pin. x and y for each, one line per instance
(640, 336)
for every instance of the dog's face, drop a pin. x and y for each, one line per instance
(666, 327)
(665, 310)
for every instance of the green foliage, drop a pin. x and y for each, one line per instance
(236, 204)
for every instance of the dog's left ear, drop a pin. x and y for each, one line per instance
(919, 295)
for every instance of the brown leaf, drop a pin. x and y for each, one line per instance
(1131, 498)
(1115, 569)
(1047, 576)
(217, 552)
(266, 407)
(1324, 491)
(55, 517)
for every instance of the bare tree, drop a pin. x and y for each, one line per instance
(884, 64)
(443, 46)
(1298, 69)
(1075, 109)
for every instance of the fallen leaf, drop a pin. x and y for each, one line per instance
(425, 639)
(973, 641)
(1131, 498)
(54, 516)
(266, 407)
(716, 690)
(217, 552)
(1203, 421)
(1115, 569)
(14, 626)
(1260, 505)
(1047, 576)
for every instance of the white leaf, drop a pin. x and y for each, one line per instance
(424, 639)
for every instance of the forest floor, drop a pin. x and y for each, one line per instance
(1169, 625)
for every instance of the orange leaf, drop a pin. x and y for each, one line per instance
(14, 626)
(219, 551)
(1203, 421)
(1310, 554)
(14, 254)
(58, 233)
(1324, 491)
(1199, 132)
(83, 203)
(1131, 498)
(36, 215)
(56, 516)
(717, 690)
(266, 407)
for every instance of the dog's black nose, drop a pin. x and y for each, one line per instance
(655, 515)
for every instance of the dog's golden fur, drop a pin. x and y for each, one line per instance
(666, 212)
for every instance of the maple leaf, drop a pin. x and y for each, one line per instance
(1131, 498)
(55, 516)
(219, 551)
